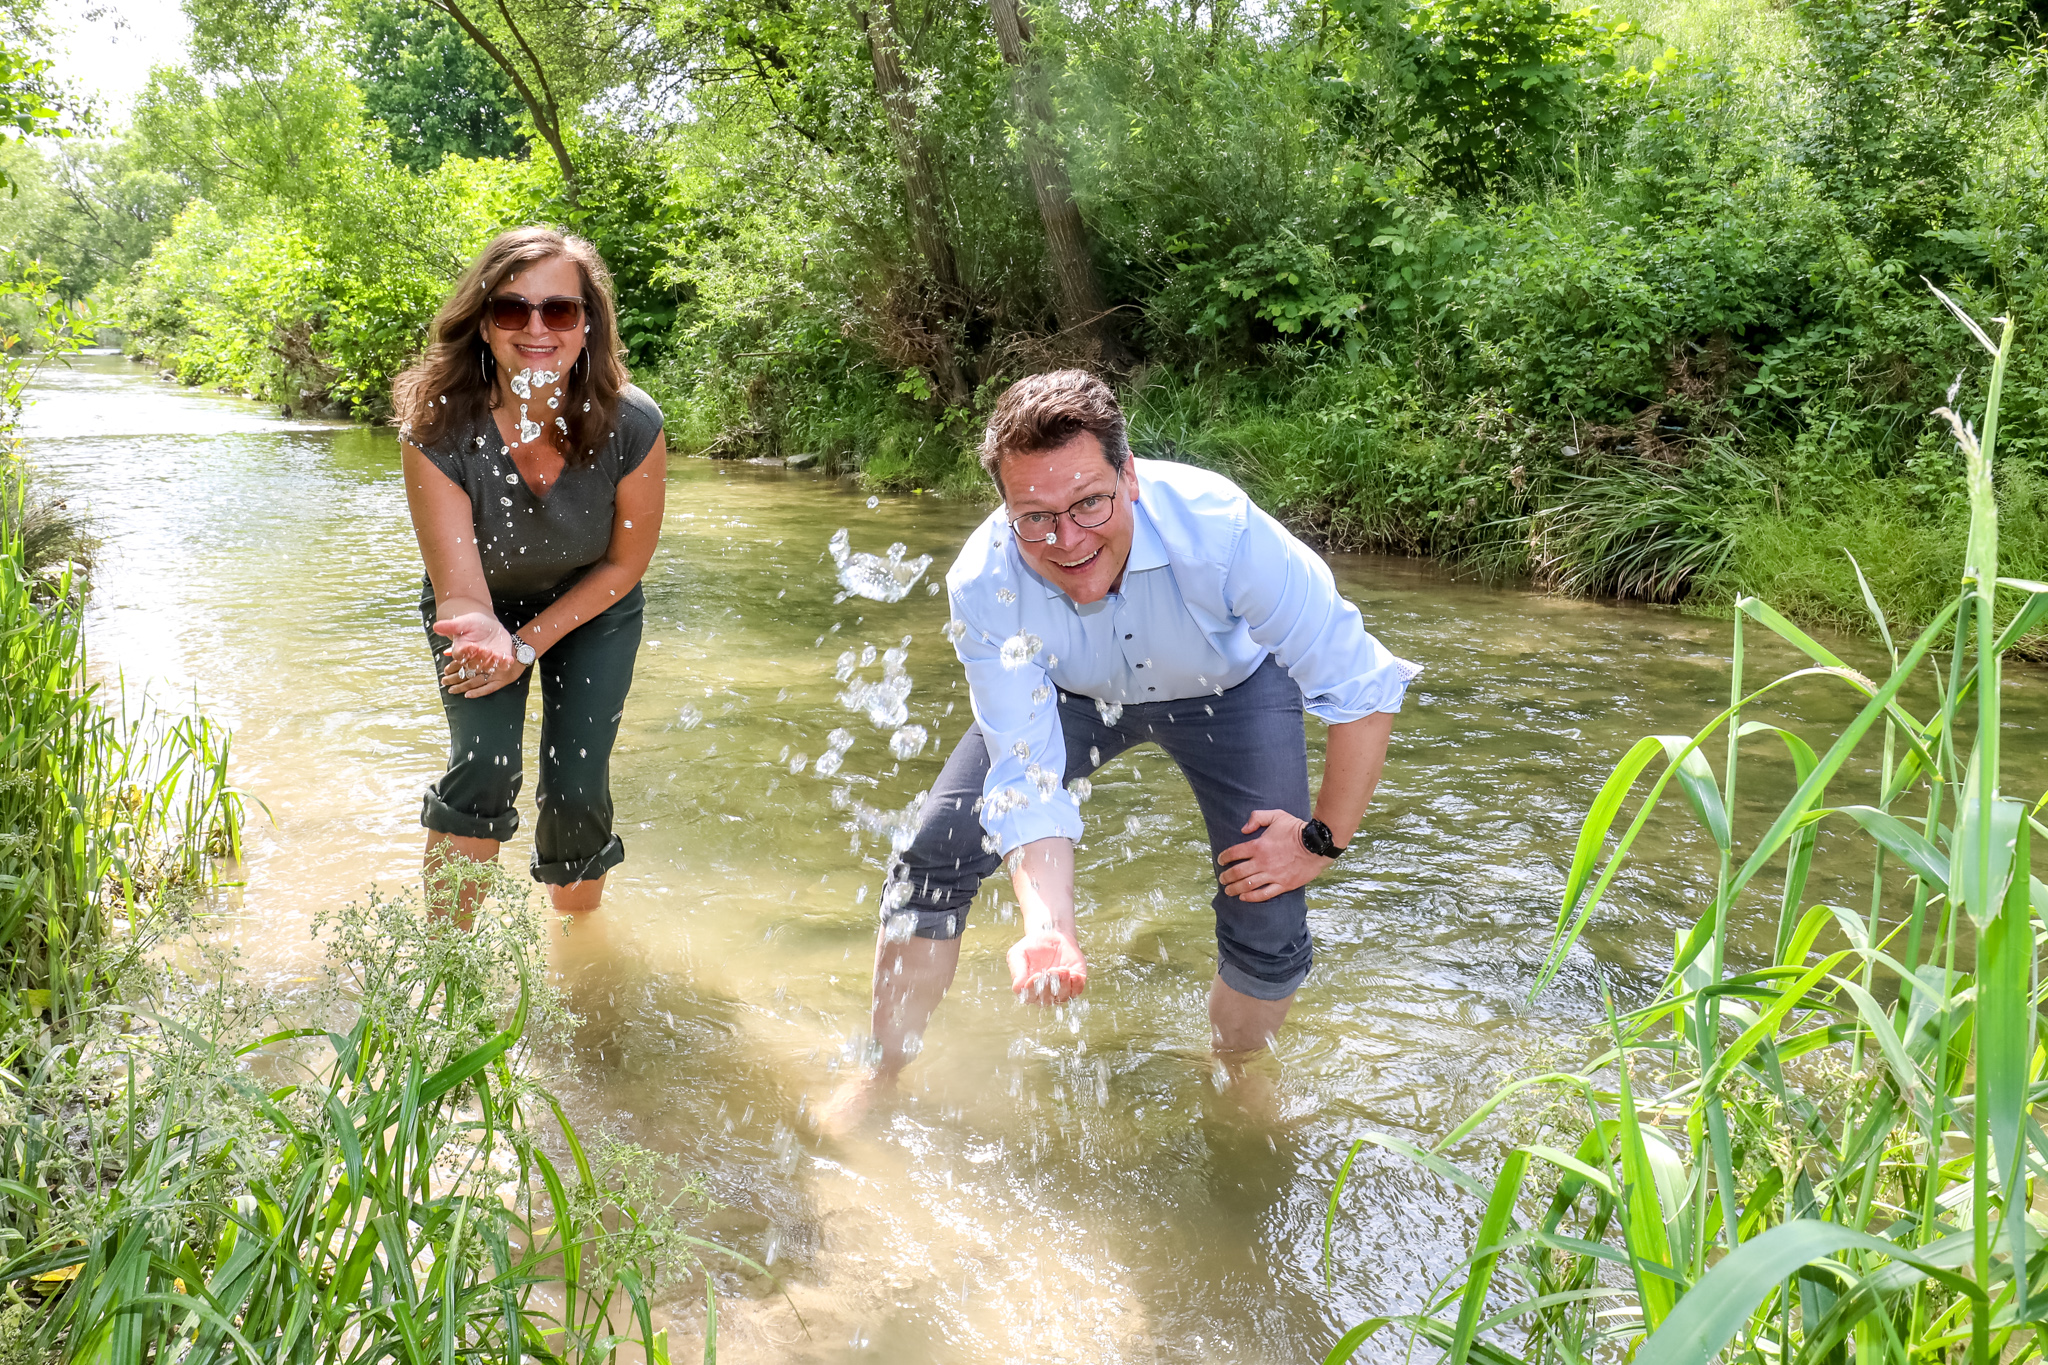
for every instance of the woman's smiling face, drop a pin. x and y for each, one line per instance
(532, 346)
(1083, 562)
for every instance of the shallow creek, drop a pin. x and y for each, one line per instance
(1054, 1186)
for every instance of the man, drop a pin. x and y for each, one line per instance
(1108, 602)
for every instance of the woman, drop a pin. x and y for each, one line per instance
(535, 472)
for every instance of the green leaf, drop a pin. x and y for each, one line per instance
(1493, 1227)
(1715, 1309)
(1696, 776)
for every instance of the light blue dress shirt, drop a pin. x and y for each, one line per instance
(1213, 587)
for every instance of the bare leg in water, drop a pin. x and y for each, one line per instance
(1240, 1028)
(575, 898)
(911, 978)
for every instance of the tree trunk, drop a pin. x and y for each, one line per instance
(538, 96)
(1077, 290)
(924, 197)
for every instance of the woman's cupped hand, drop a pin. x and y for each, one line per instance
(479, 657)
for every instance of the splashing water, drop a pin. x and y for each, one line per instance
(1005, 801)
(877, 579)
(523, 383)
(1082, 789)
(887, 700)
(1005, 596)
(954, 629)
(908, 742)
(1041, 694)
(1046, 780)
(1110, 711)
(689, 717)
(1020, 649)
(836, 745)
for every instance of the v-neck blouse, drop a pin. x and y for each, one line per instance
(534, 547)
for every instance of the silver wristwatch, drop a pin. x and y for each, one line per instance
(523, 653)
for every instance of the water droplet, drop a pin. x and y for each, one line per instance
(837, 743)
(1005, 596)
(1082, 789)
(505, 501)
(877, 579)
(908, 742)
(1110, 711)
(873, 503)
(1020, 649)
(690, 718)
(511, 478)
(629, 526)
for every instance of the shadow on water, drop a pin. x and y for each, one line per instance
(1066, 1185)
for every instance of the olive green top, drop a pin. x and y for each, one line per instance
(535, 547)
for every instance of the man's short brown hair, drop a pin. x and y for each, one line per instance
(1045, 411)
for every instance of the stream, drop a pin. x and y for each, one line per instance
(1066, 1185)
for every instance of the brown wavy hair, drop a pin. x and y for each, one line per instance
(451, 385)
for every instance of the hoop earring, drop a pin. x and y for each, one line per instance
(483, 365)
(584, 361)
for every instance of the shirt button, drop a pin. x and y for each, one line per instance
(1127, 637)
(1151, 689)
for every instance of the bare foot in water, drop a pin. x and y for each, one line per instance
(1246, 1087)
(850, 1103)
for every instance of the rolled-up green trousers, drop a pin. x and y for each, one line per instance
(583, 684)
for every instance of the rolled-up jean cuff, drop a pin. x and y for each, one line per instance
(582, 870)
(442, 818)
(1244, 983)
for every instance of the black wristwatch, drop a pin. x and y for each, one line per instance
(1316, 838)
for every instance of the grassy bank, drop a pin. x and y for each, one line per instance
(1832, 1149)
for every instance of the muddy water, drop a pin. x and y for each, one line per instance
(1066, 1186)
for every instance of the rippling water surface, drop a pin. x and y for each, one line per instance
(1066, 1186)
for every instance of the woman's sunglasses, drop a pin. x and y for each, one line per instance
(561, 313)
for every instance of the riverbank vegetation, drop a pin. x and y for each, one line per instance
(1828, 1150)
(1624, 298)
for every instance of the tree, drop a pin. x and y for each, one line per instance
(436, 92)
(496, 27)
(923, 192)
(1069, 252)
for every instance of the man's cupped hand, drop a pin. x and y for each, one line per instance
(1046, 968)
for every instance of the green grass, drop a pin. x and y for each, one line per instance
(375, 1172)
(1827, 1151)
(1801, 563)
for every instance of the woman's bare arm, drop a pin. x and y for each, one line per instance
(443, 523)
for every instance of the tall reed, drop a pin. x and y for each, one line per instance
(107, 814)
(1832, 1151)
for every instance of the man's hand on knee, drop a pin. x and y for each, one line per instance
(1047, 967)
(1273, 864)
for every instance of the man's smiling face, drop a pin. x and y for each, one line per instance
(1084, 563)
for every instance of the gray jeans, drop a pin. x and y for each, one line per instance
(1242, 751)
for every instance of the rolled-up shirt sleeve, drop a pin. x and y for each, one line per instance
(1023, 799)
(1289, 601)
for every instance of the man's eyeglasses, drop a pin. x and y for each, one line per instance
(560, 313)
(1036, 528)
